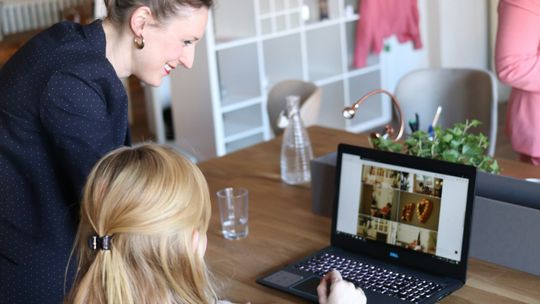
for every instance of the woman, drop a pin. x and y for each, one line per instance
(142, 234)
(62, 107)
(517, 54)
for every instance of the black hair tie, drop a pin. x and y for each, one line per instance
(96, 242)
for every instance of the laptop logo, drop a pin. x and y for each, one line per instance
(394, 255)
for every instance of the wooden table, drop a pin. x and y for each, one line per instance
(283, 228)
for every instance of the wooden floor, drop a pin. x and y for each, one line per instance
(140, 131)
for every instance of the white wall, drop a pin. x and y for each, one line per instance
(461, 33)
(402, 57)
(458, 33)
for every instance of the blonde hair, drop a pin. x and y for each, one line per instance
(150, 200)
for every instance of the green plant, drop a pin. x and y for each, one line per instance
(454, 144)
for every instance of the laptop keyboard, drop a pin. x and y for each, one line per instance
(373, 278)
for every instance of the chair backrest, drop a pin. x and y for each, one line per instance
(462, 94)
(310, 101)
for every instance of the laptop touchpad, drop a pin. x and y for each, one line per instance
(308, 286)
(283, 278)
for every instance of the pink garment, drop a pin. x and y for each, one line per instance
(380, 19)
(517, 59)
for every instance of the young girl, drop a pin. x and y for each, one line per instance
(142, 233)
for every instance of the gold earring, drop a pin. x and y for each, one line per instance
(139, 42)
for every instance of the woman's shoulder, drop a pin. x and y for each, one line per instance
(62, 46)
(57, 35)
(61, 49)
(63, 27)
(79, 51)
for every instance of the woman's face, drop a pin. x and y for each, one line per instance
(169, 45)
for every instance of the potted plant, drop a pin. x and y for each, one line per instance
(455, 144)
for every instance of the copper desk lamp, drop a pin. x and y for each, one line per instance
(349, 112)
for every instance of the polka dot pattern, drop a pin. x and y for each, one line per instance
(62, 107)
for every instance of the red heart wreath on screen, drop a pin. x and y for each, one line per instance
(423, 210)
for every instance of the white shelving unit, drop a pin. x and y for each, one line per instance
(249, 46)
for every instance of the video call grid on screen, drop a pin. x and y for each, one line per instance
(409, 208)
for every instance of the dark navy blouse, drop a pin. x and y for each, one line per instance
(62, 107)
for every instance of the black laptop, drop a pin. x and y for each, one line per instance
(400, 229)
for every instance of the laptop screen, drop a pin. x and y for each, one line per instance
(410, 207)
